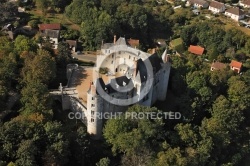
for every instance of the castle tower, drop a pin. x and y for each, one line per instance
(94, 112)
(165, 71)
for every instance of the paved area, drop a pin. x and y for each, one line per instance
(85, 57)
(81, 80)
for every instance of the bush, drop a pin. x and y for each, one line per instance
(103, 70)
(33, 23)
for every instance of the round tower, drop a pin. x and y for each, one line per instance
(94, 112)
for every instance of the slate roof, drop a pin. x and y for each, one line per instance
(216, 4)
(235, 11)
(218, 65)
(199, 2)
(235, 64)
(51, 33)
(196, 50)
(72, 43)
(121, 41)
(55, 26)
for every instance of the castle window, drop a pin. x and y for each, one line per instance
(129, 56)
(93, 98)
(112, 55)
(92, 105)
(92, 120)
(111, 62)
(92, 112)
(119, 52)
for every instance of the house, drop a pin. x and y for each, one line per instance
(53, 36)
(43, 27)
(72, 45)
(9, 30)
(196, 50)
(198, 3)
(217, 66)
(236, 66)
(245, 3)
(133, 43)
(217, 7)
(196, 11)
(235, 13)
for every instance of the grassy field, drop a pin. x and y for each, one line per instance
(53, 18)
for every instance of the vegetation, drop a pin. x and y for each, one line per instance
(214, 128)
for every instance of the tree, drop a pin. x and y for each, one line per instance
(8, 10)
(57, 151)
(103, 162)
(44, 4)
(35, 98)
(64, 55)
(238, 92)
(41, 68)
(26, 153)
(23, 43)
(130, 135)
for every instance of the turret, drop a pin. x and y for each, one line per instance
(94, 112)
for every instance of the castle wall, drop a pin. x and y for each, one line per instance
(164, 78)
(77, 106)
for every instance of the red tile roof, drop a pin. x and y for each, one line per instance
(196, 50)
(133, 42)
(49, 26)
(236, 64)
(246, 2)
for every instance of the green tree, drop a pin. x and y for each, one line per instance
(103, 162)
(26, 153)
(23, 43)
(41, 67)
(64, 55)
(129, 135)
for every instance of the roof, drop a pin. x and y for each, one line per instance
(121, 41)
(218, 65)
(199, 2)
(72, 43)
(133, 42)
(216, 4)
(55, 26)
(196, 50)
(235, 64)
(51, 33)
(235, 11)
(246, 2)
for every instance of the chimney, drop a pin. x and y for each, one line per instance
(102, 42)
(114, 39)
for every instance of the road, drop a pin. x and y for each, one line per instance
(85, 57)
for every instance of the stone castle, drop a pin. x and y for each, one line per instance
(122, 76)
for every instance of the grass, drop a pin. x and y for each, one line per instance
(53, 18)
(176, 42)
